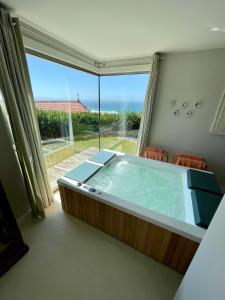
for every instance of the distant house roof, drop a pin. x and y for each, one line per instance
(67, 106)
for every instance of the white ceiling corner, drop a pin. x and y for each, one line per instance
(105, 30)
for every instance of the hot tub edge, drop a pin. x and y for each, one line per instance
(163, 245)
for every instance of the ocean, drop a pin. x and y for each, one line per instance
(115, 106)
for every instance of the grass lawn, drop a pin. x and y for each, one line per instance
(62, 153)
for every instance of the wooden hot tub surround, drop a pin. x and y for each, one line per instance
(159, 243)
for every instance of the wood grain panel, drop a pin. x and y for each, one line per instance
(163, 245)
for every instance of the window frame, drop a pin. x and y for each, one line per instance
(66, 64)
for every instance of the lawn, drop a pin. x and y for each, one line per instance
(63, 152)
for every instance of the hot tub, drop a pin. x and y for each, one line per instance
(142, 202)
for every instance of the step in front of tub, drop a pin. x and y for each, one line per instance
(102, 157)
(83, 172)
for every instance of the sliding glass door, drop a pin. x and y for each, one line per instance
(121, 105)
(67, 105)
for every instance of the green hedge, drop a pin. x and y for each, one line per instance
(55, 124)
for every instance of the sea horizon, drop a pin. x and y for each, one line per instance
(108, 106)
(114, 106)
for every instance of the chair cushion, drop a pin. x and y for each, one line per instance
(191, 163)
(190, 156)
(153, 155)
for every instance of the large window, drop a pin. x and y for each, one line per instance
(121, 105)
(71, 104)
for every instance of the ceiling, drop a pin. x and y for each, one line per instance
(125, 28)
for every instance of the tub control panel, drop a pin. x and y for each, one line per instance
(86, 187)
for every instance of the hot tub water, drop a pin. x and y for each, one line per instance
(154, 188)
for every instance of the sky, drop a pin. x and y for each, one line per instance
(53, 81)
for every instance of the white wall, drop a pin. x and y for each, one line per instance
(189, 77)
(205, 278)
(10, 174)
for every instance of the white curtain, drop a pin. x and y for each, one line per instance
(17, 93)
(144, 131)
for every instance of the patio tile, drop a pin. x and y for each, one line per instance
(57, 171)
